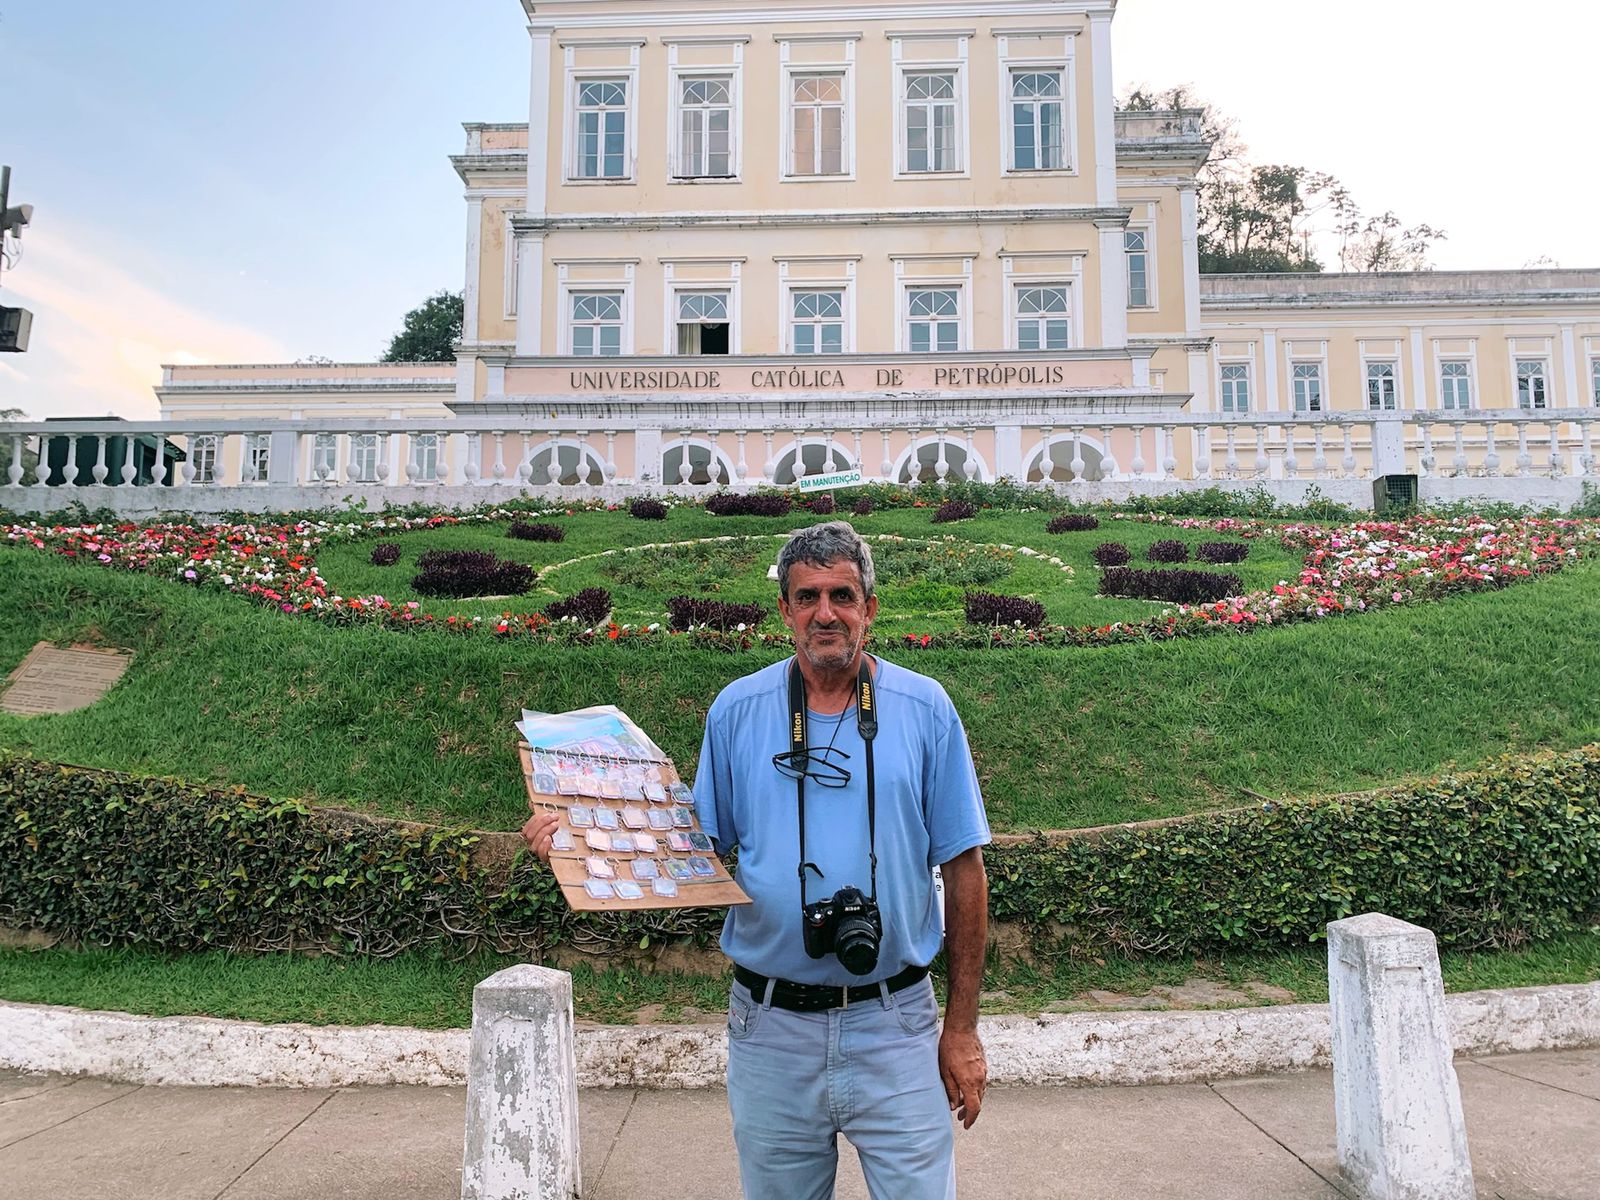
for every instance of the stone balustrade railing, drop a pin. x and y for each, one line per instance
(265, 465)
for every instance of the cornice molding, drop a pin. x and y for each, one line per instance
(781, 219)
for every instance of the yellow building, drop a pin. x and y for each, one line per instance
(741, 244)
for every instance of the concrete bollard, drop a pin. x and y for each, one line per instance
(522, 1089)
(1401, 1135)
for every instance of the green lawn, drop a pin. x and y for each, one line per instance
(920, 585)
(432, 992)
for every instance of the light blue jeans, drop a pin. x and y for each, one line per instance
(869, 1071)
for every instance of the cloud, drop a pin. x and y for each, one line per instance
(100, 336)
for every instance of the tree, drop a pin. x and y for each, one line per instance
(1383, 244)
(429, 332)
(1279, 217)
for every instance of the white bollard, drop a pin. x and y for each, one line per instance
(1401, 1135)
(522, 1089)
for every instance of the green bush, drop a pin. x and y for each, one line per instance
(1493, 858)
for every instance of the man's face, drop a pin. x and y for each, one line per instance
(828, 612)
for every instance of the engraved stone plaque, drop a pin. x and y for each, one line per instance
(56, 680)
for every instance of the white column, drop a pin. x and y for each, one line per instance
(1397, 1104)
(1189, 211)
(1008, 452)
(1269, 368)
(1105, 111)
(1113, 268)
(1573, 396)
(522, 1089)
(530, 294)
(540, 133)
(469, 290)
(647, 455)
(1417, 388)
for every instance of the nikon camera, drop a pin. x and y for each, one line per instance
(847, 924)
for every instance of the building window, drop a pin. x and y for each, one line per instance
(257, 457)
(325, 456)
(364, 457)
(1235, 387)
(1455, 384)
(703, 324)
(1036, 124)
(425, 453)
(602, 129)
(1043, 317)
(930, 122)
(818, 322)
(705, 128)
(203, 457)
(1380, 386)
(1531, 389)
(1307, 387)
(817, 125)
(1594, 380)
(1137, 243)
(596, 324)
(933, 320)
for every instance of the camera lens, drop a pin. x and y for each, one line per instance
(856, 944)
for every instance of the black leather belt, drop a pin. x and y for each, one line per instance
(819, 997)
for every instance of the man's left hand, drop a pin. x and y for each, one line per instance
(965, 1072)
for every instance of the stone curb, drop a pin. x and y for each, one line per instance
(1052, 1048)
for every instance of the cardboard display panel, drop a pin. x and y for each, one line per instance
(636, 821)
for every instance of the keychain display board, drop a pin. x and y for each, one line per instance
(627, 823)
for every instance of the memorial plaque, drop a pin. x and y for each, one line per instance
(53, 679)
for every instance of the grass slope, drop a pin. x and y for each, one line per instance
(222, 692)
(433, 992)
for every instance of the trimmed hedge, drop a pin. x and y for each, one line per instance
(386, 554)
(1495, 857)
(1073, 523)
(748, 504)
(1222, 552)
(685, 612)
(991, 608)
(535, 532)
(464, 573)
(1177, 584)
(1167, 550)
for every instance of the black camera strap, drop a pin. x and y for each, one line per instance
(867, 727)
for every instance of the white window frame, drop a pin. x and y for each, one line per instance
(1321, 379)
(569, 324)
(1015, 317)
(1594, 379)
(576, 75)
(565, 290)
(1151, 285)
(847, 71)
(847, 335)
(961, 132)
(205, 455)
(425, 454)
(676, 289)
(1009, 69)
(1226, 395)
(1446, 403)
(733, 74)
(1393, 377)
(255, 458)
(1543, 375)
(324, 451)
(364, 456)
(963, 308)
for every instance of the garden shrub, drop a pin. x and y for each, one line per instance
(460, 574)
(823, 505)
(1178, 586)
(687, 611)
(1073, 523)
(648, 510)
(1494, 857)
(749, 504)
(523, 531)
(988, 608)
(953, 510)
(863, 507)
(588, 607)
(1167, 550)
(1112, 554)
(1222, 552)
(386, 554)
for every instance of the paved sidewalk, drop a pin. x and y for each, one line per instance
(1533, 1121)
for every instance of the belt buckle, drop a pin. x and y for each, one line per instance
(844, 996)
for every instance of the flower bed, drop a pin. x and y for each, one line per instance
(1350, 569)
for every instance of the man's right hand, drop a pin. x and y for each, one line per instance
(538, 832)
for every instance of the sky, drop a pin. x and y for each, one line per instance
(216, 181)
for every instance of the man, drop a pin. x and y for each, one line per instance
(817, 1047)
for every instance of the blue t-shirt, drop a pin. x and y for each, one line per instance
(928, 806)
